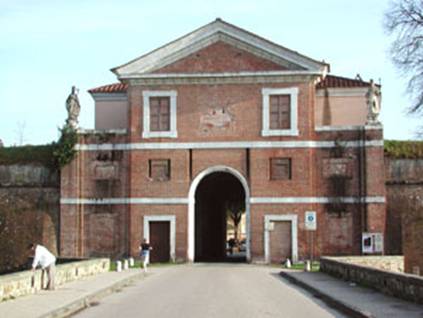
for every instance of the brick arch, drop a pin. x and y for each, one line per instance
(191, 205)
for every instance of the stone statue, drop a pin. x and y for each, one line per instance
(373, 104)
(73, 107)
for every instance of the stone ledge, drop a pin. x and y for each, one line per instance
(405, 286)
(117, 131)
(330, 300)
(19, 284)
(391, 263)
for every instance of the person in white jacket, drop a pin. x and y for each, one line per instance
(46, 260)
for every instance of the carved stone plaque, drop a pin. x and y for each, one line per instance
(215, 119)
(106, 171)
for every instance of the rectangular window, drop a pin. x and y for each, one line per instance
(160, 113)
(280, 112)
(159, 169)
(280, 168)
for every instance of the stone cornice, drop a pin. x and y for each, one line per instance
(253, 200)
(109, 97)
(343, 92)
(303, 144)
(224, 78)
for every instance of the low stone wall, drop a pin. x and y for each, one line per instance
(405, 286)
(19, 284)
(386, 263)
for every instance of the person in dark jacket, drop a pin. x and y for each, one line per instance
(145, 249)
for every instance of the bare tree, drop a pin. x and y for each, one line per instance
(404, 20)
(20, 133)
(235, 209)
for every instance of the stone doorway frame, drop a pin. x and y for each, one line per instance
(293, 218)
(191, 206)
(161, 218)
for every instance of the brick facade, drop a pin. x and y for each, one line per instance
(404, 179)
(107, 192)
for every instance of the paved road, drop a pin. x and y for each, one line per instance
(211, 290)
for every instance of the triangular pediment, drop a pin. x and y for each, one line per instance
(246, 52)
(221, 57)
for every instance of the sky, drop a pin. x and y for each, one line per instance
(48, 46)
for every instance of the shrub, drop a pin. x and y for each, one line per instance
(64, 150)
(403, 149)
(42, 154)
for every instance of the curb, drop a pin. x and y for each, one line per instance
(86, 301)
(347, 309)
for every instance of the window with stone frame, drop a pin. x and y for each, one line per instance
(280, 169)
(159, 169)
(280, 111)
(160, 113)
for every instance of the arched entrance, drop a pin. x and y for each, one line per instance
(211, 193)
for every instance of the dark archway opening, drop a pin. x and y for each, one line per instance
(216, 193)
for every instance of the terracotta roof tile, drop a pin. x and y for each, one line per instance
(338, 81)
(111, 88)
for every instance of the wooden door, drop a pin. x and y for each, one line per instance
(160, 241)
(280, 242)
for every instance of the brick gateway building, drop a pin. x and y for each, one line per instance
(222, 116)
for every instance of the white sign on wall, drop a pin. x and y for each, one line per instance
(372, 243)
(310, 221)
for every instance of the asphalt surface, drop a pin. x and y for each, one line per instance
(211, 290)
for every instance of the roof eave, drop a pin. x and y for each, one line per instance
(319, 73)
